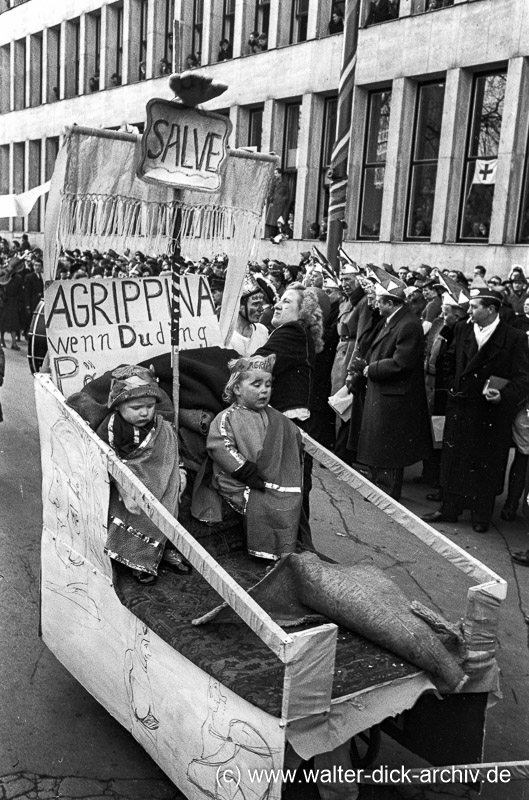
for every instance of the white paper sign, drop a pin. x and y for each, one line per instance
(183, 147)
(94, 325)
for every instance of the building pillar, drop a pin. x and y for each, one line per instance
(182, 33)
(511, 152)
(273, 27)
(154, 11)
(445, 215)
(273, 127)
(106, 51)
(207, 32)
(131, 41)
(243, 26)
(308, 171)
(393, 214)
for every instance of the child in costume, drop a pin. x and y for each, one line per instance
(257, 459)
(148, 445)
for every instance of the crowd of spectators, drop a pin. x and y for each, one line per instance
(413, 347)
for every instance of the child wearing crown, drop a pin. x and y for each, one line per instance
(257, 459)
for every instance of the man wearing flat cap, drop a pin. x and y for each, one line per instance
(487, 368)
(395, 430)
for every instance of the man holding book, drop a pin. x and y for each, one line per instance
(488, 372)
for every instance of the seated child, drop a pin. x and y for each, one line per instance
(148, 445)
(257, 459)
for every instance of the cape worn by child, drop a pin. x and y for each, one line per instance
(255, 464)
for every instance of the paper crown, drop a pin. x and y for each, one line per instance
(459, 294)
(347, 266)
(385, 281)
(249, 286)
(132, 381)
(262, 363)
(326, 265)
(395, 292)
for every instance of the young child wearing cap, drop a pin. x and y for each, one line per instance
(257, 459)
(147, 443)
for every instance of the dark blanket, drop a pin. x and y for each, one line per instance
(203, 375)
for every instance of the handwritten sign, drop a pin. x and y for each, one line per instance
(183, 147)
(95, 325)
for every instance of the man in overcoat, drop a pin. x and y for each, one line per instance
(395, 428)
(488, 371)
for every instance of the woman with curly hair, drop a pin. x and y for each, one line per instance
(296, 338)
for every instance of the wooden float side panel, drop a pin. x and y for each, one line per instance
(187, 721)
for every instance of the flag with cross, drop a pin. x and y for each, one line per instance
(485, 171)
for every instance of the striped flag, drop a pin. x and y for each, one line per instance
(343, 124)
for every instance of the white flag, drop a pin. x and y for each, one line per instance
(485, 171)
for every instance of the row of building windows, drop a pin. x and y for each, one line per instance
(74, 49)
(20, 167)
(479, 165)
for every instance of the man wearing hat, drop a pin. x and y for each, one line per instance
(353, 293)
(488, 373)
(395, 429)
(249, 334)
(454, 310)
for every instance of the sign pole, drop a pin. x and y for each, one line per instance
(175, 326)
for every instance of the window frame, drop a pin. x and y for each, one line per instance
(418, 163)
(228, 20)
(467, 159)
(367, 165)
(197, 29)
(322, 198)
(524, 198)
(168, 43)
(142, 42)
(251, 115)
(262, 17)
(298, 21)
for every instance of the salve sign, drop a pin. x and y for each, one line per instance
(95, 325)
(183, 147)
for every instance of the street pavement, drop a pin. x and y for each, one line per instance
(57, 741)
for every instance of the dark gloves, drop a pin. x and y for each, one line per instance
(249, 475)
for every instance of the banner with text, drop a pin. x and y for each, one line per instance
(95, 325)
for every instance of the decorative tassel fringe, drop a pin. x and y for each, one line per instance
(102, 221)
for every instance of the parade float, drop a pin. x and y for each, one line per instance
(259, 684)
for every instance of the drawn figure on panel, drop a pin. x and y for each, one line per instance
(139, 691)
(229, 750)
(75, 476)
(70, 493)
